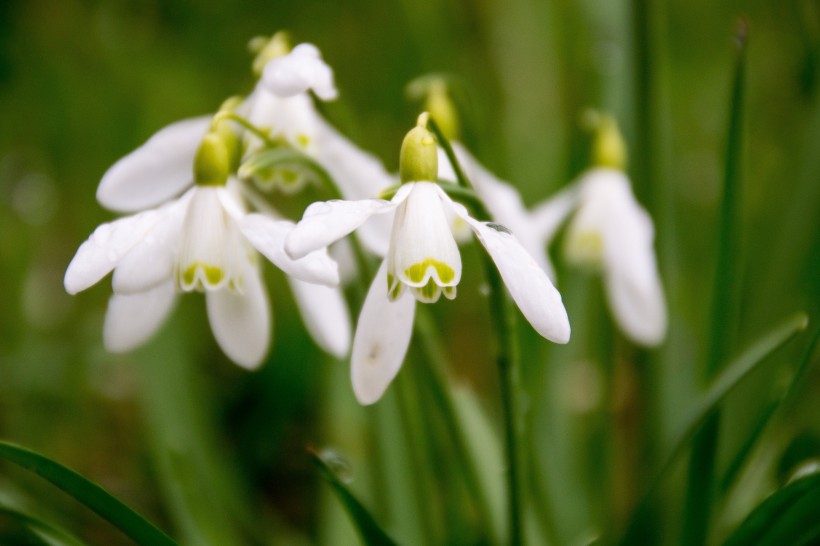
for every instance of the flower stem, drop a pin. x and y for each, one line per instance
(247, 125)
(448, 150)
(501, 313)
(432, 367)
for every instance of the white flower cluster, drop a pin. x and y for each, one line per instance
(198, 223)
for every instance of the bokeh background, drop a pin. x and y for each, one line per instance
(216, 455)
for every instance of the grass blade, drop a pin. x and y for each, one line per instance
(372, 534)
(89, 493)
(49, 534)
(734, 468)
(788, 516)
(701, 482)
(737, 370)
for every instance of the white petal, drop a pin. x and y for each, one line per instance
(630, 269)
(293, 118)
(212, 252)
(132, 319)
(268, 237)
(241, 322)
(547, 217)
(505, 206)
(329, 221)
(298, 71)
(156, 171)
(104, 249)
(152, 259)
(381, 340)
(325, 314)
(422, 245)
(528, 284)
(639, 308)
(359, 174)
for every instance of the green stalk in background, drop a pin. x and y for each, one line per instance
(501, 314)
(701, 480)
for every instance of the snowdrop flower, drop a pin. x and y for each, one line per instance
(422, 263)
(281, 104)
(612, 233)
(203, 241)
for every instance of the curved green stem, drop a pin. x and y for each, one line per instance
(448, 150)
(230, 116)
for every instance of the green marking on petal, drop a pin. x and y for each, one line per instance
(449, 292)
(394, 287)
(303, 140)
(429, 293)
(213, 275)
(416, 272)
(586, 249)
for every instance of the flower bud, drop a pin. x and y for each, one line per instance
(419, 155)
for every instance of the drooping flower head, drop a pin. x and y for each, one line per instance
(422, 263)
(204, 240)
(610, 232)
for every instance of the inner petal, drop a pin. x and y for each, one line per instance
(422, 246)
(211, 247)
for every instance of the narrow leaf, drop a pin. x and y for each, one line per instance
(89, 493)
(734, 468)
(790, 515)
(724, 305)
(733, 374)
(47, 533)
(372, 534)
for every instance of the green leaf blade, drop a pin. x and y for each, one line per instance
(88, 493)
(371, 532)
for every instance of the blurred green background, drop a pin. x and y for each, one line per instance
(216, 455)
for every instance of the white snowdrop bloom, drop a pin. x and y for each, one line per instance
(203, 241)
(423, 261)
(611, 232)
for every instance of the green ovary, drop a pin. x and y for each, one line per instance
(416, 272)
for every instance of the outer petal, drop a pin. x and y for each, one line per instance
(547, 216)
(298, 71)
(528, 284)
(268, 237)
(152, 259)
(241, 322)
(382, 337)
(156, 171)
(504, 204)
(132, 319)
(104, 249)
(329, 221)
(639, 308)
(630, 269)
(325, 314)
(359, 175)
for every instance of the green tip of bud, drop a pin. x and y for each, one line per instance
(268, 48)
(608, 147)
(442, 109)
(212, 161)
(418, 161)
